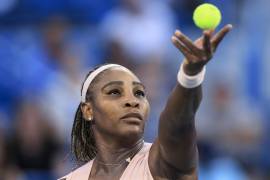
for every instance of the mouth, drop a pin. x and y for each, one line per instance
(132, 117)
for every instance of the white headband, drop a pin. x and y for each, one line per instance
(92, 76)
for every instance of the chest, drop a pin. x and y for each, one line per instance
(103, 172)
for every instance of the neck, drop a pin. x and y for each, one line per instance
(115, 154)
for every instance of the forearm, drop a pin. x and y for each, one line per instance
(182, 105)
(177, 134)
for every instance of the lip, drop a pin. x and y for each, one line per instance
(133, 116)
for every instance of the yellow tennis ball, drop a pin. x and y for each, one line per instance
(207, 16)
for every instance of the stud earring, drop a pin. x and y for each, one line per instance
(90, 118)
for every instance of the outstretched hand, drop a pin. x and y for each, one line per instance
(199, 52)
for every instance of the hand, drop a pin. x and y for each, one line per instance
(200, 52)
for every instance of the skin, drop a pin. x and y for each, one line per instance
(174, 154)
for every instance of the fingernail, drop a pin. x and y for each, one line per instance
(177, 32)
(207, 32)
(230, 26)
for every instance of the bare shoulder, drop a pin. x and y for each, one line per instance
(162, 170)
(79, 173)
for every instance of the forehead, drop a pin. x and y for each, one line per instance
(116, 74)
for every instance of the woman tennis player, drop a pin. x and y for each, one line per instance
(108, 128)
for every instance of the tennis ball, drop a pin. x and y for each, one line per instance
(207, 16)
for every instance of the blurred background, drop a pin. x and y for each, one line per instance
(47, 47)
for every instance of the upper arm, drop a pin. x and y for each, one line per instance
(161, 169)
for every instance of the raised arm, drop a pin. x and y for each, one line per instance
(174, 153)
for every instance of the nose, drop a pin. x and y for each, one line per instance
(132, 103)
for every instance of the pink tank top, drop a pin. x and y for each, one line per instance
(138, 168)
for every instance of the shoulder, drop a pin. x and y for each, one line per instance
(145, 149)
(138, 167)
(143, 153)
(79, 173)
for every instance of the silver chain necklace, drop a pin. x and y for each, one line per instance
(124, 161)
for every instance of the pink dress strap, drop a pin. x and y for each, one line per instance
(138, 167)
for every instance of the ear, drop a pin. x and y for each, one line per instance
(87, 111)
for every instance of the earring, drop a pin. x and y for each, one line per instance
(90, 118)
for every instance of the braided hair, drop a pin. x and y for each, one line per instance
(83, 144)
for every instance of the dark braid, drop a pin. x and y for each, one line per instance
(83, 144)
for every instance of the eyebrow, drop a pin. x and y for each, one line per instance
(112, 83)
(138, 83)
(121, 83)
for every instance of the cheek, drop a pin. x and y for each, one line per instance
(106, 114)
(146, 109)
(105, 124)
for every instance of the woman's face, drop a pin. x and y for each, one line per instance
(120, 107)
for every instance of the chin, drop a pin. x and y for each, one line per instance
(132, 131)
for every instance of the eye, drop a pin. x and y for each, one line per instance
(139, 93)
(114, 92)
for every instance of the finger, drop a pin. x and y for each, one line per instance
(210, 32)
(207, 43)
(187, 42)
(220, 35)
(181, 47)
(199, 41)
